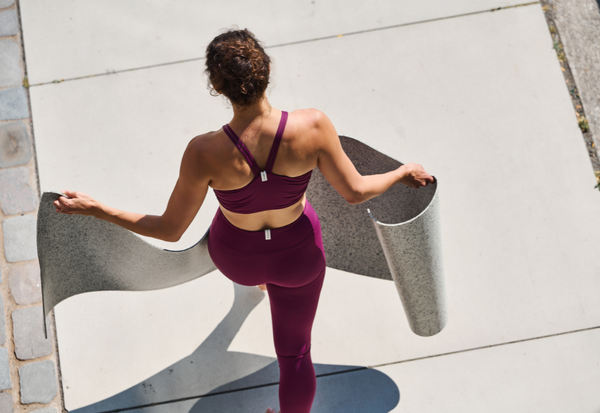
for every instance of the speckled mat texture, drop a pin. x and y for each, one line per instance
(395, 236)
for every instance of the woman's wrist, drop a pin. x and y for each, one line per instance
(99, 210)
(402, 171)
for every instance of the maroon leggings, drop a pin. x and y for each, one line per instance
(292, 264)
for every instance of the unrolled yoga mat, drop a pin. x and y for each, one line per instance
(395, 236)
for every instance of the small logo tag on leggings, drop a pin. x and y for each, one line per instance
(267, 234)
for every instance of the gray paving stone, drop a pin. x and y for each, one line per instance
(5, 382)
(15, 144)
(16, 194)
(6, 3)
(0, 275)
(13, 103)
(25, 284)
(28, 332)
(10, 67)
(2, 321)
(19, 238)
(44, 410)
(38, 382)
(9, 23)
(6, 403)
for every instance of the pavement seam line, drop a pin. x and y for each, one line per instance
(143, 406)
(485, 347)
(225, 392)
(316, 39)
(353, 370)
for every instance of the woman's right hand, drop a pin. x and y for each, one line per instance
(76, 203)
(414, 176)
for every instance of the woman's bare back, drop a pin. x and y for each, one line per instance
(297, 154)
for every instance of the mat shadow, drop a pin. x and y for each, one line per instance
(211, 370)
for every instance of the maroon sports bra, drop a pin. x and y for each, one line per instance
(267, 190)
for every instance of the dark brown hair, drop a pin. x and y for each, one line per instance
(238, 67)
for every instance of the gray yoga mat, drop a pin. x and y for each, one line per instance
(395, 237)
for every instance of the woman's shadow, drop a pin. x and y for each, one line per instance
(214, 379)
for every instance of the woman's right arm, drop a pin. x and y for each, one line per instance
(339, 171)
(185, 201)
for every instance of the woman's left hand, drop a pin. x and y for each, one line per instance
(77, 203)
(414, 176)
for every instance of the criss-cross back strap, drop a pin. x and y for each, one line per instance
(248, 156)
(276, 142)
(243, 149)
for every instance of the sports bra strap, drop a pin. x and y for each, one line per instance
(249, 158)
(276, 142)
(243, 149)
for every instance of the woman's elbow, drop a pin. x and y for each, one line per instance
(355, 197)
(172, 235)
(172, 238)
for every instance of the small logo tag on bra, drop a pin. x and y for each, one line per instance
(267, 234)
(263, 176)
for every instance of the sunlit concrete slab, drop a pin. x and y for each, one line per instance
(188, 344)
(65, 39)
(552, 375)
(479, 100)
(211, 367)
(356, 391)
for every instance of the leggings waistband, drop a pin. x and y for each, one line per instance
(228, 236)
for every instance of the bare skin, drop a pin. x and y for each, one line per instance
(211, 160)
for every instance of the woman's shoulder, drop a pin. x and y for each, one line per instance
(210, 143)
(207, 149)
(312, 124)
(315, 128)
(310, 118)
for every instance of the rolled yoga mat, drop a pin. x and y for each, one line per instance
(80, 254)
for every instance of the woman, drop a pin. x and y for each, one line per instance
(265, 232)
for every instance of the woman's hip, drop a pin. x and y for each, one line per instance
(289, 256)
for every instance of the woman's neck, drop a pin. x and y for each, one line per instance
(249, 114)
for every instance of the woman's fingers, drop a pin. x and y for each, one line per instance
(418, 177)
(75, 203)
(70, 194)
(62, 205)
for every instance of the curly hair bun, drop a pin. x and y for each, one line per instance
(238, 67)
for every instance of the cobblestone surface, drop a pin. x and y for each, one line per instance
(6, 403)
(9, 22)
(10, 70)
(19, 238)
(2, 321)
(16, 194)
(5, 382)
(28, 332)
(15, 144)
(25, 284)
(13, 103)
(38, 382)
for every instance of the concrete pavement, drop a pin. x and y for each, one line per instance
(472, 90)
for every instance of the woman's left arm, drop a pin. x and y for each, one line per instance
(184, 203)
